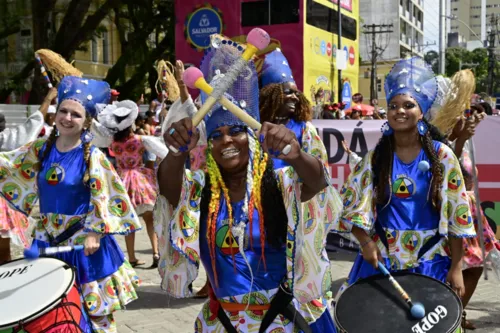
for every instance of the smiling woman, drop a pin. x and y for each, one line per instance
(82, 197)
(407, 191)
(242, 217)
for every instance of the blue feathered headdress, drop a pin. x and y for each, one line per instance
(87, 92)
(413, 77)
(276, 69)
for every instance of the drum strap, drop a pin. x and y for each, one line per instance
(66, 234)
(280, 304)
(379, 230)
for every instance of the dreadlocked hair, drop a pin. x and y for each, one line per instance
(383, 157)
(272, 97)
(51, 140)
(265, 197)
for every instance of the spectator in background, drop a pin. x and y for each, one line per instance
(139, 124)
(150, 124)
(2, 122)
(357, 98)
(114, 96)
(355, 114)
(487, 108)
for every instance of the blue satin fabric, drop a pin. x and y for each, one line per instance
(104, 262)
(437, 268)
(411, 204)
(235, 279)
(297, 128)
(324, 324)
(60, 183)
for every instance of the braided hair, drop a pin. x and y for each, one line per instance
(266, 198)
(382, 161)
(272, 97)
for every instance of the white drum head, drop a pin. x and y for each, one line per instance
(30, 288)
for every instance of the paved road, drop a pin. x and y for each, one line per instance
(155, 312)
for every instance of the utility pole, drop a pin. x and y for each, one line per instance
(374, 30)
(339, 41)
(491, 52)
(442, 37)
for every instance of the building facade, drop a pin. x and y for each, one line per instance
(470, 15)
(407, 17)
(17, 49)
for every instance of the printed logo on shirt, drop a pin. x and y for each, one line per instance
(225, 241)
(410, 240)
(93, 302)
(403, 187)
(29, 201)
(27, 171)
(95, 186)
(118, 206)
(366, 179)
(349, 197)
(462, 216)
(454, 180)
(309, 218)
(12, 192)
(55, 174)
(187, 224)
(4, 174)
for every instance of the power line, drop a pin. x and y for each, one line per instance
(377, 51)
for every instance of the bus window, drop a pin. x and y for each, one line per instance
(324, 18)
(256, 13)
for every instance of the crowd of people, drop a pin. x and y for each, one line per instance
(253, 207)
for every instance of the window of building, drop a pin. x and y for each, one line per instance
(94, 51)
(324, 18)
(105, 47)
(268, 12)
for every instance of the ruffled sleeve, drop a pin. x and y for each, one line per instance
(308, 266)
(13, 138)
(357, 195)
(111, 211)
(353, 160)
(179, 111)
(178, 230)
(456, 219)
(103, 138)
(155, 145)
(18, 173)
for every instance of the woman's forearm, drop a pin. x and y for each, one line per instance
(457, 252)
(184, 92)
(311, 172)
(170, 174)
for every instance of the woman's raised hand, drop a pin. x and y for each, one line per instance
(279, 141)
(181, 137)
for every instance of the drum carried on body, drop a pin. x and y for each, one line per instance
(40, 296)
(374, 305)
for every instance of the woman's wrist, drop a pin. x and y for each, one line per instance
(366, 242)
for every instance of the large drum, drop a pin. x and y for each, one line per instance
(374, 305)
(40, 296)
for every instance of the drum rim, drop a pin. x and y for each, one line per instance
(47, 308)
(398, 273)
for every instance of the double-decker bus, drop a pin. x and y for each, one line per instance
(306, 31)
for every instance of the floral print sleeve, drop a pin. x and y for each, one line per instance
(456, 219)
(357, 194)
(179, 239)
(18, 176)
(111, 211)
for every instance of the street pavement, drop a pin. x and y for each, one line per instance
(155, 312)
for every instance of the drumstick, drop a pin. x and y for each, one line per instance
(194, 78)
(417, 310)
(34, 252)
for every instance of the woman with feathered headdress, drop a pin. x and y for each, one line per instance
(242, 219)
(409, 188)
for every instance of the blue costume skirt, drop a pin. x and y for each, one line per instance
(104, 262)
(324, 324)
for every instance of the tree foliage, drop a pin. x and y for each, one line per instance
(458, 57)
(136, 22)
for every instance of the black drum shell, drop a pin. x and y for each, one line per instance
(374, 305)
